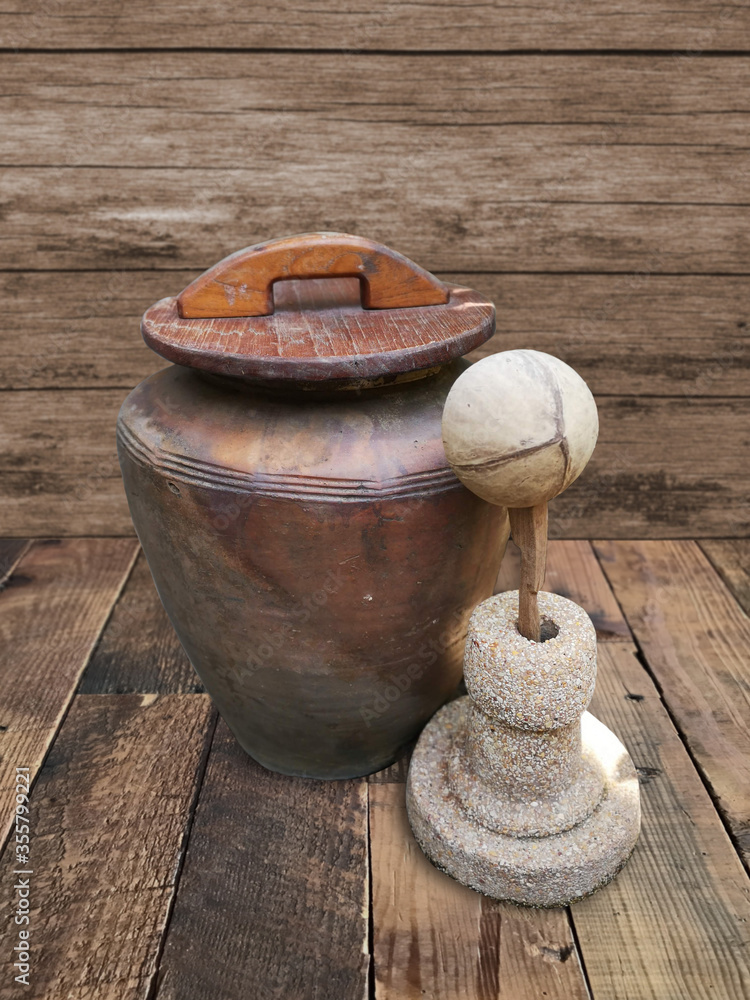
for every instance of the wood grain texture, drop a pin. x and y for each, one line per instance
(361, 24)
(672, 482)
(731, 558)
(565, 181)
(88, 217)
(695, 638)
(582, 127)
(139, 652)
(242, 284)
(319, 335)
(58, 464)
(60, 472)
(397, 772)
(11, 551)
(52, 610)
(573, 571)
(63, 330)
(435, 938)
(528, 526)
(108, 818)
(676, 922)
(274, 888)
(639, 334)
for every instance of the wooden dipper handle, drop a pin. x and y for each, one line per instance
(528, 526)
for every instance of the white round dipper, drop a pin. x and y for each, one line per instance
(519, 427)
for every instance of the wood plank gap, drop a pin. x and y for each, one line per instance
(730, 557)
(371, 986)
(108, 620)
(274, 885)
(107, 828)
(643, 660)
(200, 777)
(138, 651)
(12, 551)
(740, 849)
(439, 272)
(355, 52)
(676, 921)
(691, 635)
(77, 580)
(436, 938)
(579, 950)
(126, 387)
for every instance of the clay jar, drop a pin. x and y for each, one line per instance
(315, 553)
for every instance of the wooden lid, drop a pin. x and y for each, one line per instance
(343, 308)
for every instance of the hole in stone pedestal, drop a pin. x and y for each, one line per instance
(548, 629)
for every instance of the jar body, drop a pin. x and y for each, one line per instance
(316, 555)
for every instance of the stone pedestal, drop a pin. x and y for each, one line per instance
(516, 790)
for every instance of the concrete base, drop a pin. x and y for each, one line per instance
(535, 871)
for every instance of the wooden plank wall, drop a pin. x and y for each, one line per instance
(585, 164)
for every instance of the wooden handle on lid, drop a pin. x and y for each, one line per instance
(242, 284)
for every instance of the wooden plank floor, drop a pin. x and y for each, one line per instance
(167, 865)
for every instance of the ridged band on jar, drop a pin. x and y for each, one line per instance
(531, 685)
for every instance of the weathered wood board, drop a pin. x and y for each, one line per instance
(274, 887)
(539, 126)
(52, 609)
(139, 651)
(435, 938)
(680, 910)
(60, 470)
(639, 334)
(695, 639)
(58, 464)
(441, 25)
(110, 218)
(564, 181)
(731, 558)
(109, 815)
